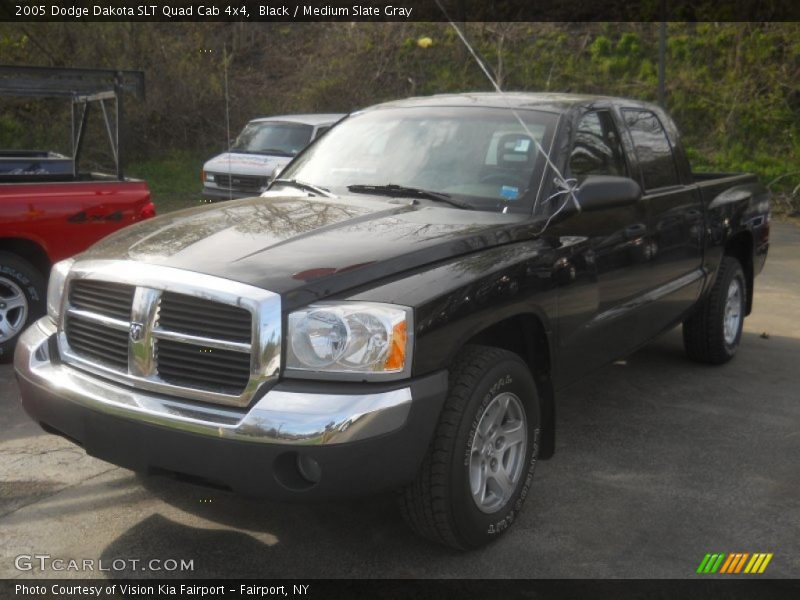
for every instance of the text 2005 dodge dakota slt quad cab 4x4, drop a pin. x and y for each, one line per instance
(399, 310)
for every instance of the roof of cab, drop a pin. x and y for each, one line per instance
(307, 119)
(554, 102)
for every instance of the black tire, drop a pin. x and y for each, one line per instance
(439, 504)
(704, 332)
(18, 274)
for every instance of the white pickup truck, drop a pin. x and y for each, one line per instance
(261, 150)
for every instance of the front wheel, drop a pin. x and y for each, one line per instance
(713, 333)
(22, 300)
(479, 467)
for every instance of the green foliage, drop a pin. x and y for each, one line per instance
(11, 130)
(173, 179)
(733, 88)
(600, 49)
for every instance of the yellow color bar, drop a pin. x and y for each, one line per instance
(765, 563)
(753, 564)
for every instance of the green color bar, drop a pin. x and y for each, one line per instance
(718, 563)
(703, 563)
(711, 562)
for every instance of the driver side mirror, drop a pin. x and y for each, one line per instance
(598, 192)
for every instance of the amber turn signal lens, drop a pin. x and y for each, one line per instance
(397, 351)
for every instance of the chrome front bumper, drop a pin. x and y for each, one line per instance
(278, 417)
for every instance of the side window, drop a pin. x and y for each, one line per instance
(652, 149)
(597, 149)
(321, 130)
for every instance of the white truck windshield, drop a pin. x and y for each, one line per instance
(276, 138)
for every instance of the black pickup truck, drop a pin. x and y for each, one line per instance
(400, 309)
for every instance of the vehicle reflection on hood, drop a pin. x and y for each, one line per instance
(280, 243)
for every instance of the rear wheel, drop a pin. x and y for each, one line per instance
(22, 300)
(479, 467)
(713, 333)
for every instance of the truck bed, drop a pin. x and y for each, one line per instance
(56, 177)
(34, 165)
(711, 185)
(64, 217)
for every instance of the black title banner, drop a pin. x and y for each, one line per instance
(390, 589)
(400, 10)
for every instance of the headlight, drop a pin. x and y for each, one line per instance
(358, 338)
(208, 176)
(55, 287)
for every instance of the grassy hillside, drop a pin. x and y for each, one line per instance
(734, 88)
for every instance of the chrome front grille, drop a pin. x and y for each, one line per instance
(98, 342)
(180, 333)
(198, 316)
(244, 183)
(202, 367)
(102, 297)
(195, 365)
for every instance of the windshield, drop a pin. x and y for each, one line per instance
(270, 137)
(481, 156)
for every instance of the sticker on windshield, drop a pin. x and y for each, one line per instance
(509, 192)
(522, 145)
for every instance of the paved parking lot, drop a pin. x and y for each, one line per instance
(658, 462)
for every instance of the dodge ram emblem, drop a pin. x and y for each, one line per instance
(136, 332)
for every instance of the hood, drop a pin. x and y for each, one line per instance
(307, 248)
(245, 164)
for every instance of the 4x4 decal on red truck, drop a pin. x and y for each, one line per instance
(95, 214)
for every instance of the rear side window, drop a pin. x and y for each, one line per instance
(652, 149)
(597, 149)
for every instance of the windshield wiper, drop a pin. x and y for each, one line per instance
(391, 189)
(265, 152)
(306, 187)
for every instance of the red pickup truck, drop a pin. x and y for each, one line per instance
(49, 209)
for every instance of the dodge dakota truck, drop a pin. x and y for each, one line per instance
(400, 309)
(51, 208)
